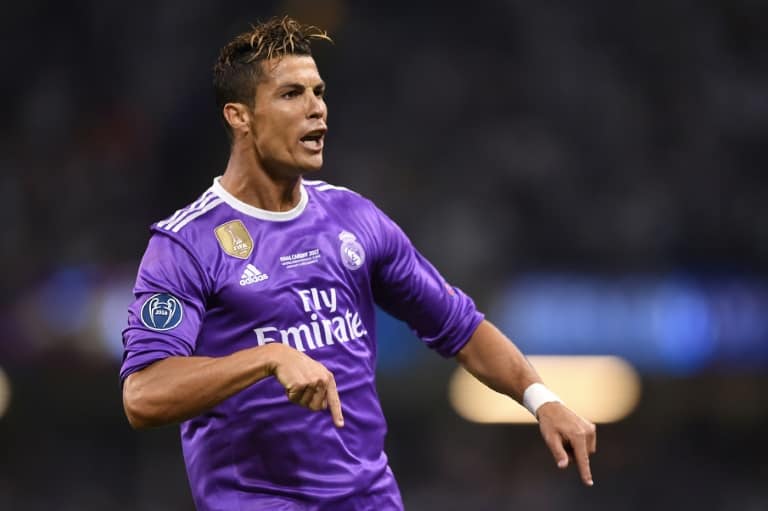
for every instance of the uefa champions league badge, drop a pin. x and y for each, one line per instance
(162, 311)
(352, 253)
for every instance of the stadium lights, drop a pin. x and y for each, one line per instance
(5, 393)
(599, 388)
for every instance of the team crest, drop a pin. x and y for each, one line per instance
(162, 311)
(234, 239)
(352, 253)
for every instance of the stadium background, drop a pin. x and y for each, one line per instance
(597, 166)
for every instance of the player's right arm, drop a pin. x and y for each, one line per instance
(178, 388)
(164, 381)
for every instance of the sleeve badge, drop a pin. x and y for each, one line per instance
(162, 311)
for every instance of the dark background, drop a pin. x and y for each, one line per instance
(512, 140)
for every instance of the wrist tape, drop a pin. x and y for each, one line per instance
(536, 395)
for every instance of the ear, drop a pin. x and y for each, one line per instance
(238, 117)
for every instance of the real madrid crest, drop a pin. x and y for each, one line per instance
(352, 253)
(234, 239)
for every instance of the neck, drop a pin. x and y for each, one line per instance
(249, 181)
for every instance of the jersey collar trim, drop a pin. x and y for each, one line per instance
(262, 214)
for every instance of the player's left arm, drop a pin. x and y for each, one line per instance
(494, 360)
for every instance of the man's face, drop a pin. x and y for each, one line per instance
(289, 116)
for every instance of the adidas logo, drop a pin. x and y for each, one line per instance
(252, 275)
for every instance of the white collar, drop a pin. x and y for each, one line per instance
(262, 214)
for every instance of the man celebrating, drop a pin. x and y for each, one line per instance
(260, 296)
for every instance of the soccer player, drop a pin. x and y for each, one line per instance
(253, 320)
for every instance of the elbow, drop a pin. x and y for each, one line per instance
(462, 357)
(136, 404)
(136, 420)
(468, 355)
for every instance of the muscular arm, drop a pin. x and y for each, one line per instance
(495, 360)
(178, 388)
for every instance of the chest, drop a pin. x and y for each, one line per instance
(286, 276)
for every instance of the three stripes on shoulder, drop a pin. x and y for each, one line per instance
(182, 217)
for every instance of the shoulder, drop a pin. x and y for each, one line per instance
(348, 204)
(318, 188)
(190, 216)
(189, 228)
(338, 196)
(177, 252)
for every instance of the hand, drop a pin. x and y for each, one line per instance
(566, 433)
(307, 382)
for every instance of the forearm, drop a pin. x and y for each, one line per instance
(177, 388)
(494, 360)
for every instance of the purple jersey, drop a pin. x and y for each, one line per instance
(220, 276)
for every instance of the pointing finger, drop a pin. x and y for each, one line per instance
(582, 460)
(334, 403)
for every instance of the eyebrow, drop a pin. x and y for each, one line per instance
(294, 85)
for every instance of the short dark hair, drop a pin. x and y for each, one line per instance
(238, 68)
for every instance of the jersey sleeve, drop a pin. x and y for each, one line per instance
(409, 287)
(169, 303)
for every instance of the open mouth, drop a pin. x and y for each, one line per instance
(314, 139)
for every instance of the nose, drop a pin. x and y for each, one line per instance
(316, 108)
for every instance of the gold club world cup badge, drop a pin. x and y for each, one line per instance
(235, 239)
(352, 253)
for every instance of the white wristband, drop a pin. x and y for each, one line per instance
(536, 395)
